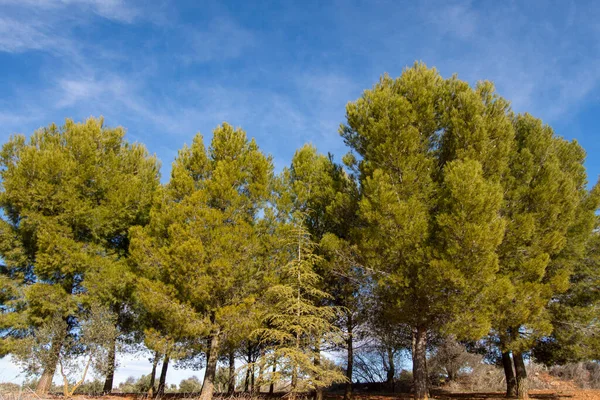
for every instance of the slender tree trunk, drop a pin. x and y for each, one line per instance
(521, 373)
(261, 373)
(45, 382)
(272, 385)
(391, 372)
(419, 344)
(511, 383)
(252, 379)
(231, 380)
(208, 386)
(294, 381)
(247, 380)
(108, 382)
(294, 384)
(153, 374)
(67, 393)
(350, 357)
(249, 358)
(163, 377)
(317, 363)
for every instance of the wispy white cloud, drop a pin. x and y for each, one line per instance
(455, 18)
(17, 35)
(542, 64)
(73, 91)
(221, 40)
(118, 10)
(47, 25)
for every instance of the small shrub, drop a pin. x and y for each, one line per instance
(190, 385)
(585, 375)
(94, 387)
(9, 387)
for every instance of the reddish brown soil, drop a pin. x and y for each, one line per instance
(574, 394)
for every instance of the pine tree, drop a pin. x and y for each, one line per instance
(431, 155)
(576, 329)
(297, 321)
(69, 196)
(200, 250)
(328, 196)
(544, 190)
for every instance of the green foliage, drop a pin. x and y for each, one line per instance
(431, 154)
(198, 259)
(328, 198)
(299, 318)
(475, 217)
(78, 350)
(296, 321)
(574, 313)
(91, 388)
(190, 385)
(221, 380)
(135, 385)
(69, 195)
(469, 229)
(544, 194)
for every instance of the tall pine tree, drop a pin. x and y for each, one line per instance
(548, 220)
(201, 249)
(69, 196)
(431, 155)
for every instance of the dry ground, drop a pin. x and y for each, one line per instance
(574, 394)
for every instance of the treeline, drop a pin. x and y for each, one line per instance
(450, 217)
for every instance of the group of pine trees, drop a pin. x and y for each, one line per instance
(451, 216)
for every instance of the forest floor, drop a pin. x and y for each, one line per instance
(575, 394)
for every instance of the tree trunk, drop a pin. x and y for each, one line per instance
(108, 382)
(249, 359)
(317, 363)
(153, 374)
(67, 393)
(272, 385)
(247, 380)
(391, 372)
(231, 380)
(208, 386)
(319, 393)
(252, 379)
(45, 382)
(350, 358)
(294, 381)
(521, 373)
(511, 383)
(261, 372)
(419, 344)
(163, 377)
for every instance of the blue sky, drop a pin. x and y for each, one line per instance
(284, 70)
